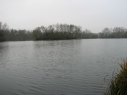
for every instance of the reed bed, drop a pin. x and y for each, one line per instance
(118, 84)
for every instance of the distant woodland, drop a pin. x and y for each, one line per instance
(58, 32)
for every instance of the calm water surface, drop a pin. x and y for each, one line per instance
(67, 67)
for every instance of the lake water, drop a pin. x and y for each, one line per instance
(66, 67)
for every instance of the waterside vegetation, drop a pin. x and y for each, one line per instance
(58, 32)
(118, 84)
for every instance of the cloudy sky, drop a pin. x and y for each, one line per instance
(89, 14)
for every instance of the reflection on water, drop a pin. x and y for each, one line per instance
(3, 47)
(65, 67)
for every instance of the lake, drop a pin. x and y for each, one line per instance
(65, 67)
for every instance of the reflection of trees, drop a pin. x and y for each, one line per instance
(3, 49)
(4, 54)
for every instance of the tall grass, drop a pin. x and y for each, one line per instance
(118, 84)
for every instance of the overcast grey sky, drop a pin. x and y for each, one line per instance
(89, 14)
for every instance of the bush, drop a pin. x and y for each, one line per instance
(118, 84)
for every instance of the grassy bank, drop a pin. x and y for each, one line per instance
(118, 84)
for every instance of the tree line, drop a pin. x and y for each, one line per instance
(7, 34)
(58, 32)
(117, 32)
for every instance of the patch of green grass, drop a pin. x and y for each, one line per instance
(118, 84)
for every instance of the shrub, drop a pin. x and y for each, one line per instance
(118, 84)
